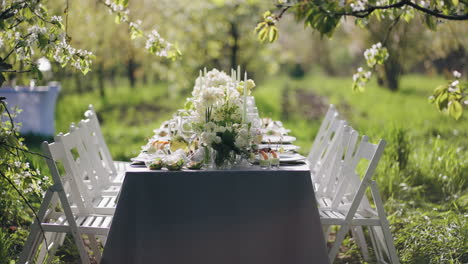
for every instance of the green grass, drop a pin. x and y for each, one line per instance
(424, 168)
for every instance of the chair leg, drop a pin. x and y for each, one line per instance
(31, 246)
(95, 247)
(376, 245)
(326, 232)
(384, 224)
(338, 240)
(44, 251)
(358, 235)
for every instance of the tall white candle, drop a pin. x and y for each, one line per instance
(200, 79)
(244, 112)
(238, 73)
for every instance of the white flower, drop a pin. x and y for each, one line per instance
(360, 69)
(368, 74)
(359, 5)
(44, 64)
(452, 90)
(456, 74)
(355, 77)
(220, 129)
(455, 83)
(56, 19)
(423, 4)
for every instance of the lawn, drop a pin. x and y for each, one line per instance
(423, 174)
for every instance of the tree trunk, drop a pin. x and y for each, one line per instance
(78, 83)
(392, 69)
(100, 76)
(235, 46)
(131, 67)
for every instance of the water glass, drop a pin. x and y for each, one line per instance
(274, 162)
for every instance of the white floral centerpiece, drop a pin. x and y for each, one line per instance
(218, 111)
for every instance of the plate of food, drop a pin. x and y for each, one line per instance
(280, 147)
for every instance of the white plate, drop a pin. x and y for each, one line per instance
(287, 147)
(291, 157)
(278, 139)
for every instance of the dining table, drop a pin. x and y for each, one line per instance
(244, 215)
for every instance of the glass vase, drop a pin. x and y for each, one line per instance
(223, 160)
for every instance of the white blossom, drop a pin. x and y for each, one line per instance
(56, 19)
(359, 5)
(455, 83)
(456, 74)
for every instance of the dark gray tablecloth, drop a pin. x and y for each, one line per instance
(249, 216)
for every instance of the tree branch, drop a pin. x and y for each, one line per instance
(392, 26)
(283, 11)
(29, 205)
(15, 71)
(436, 14)
(25, 150)
(366, 12)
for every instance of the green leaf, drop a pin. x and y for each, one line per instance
(455, 2)
(118, 18)
(430, 22)
(263, 33)
(273, 34)
(455, 109)
(442, 101)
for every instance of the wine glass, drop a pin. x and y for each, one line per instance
(186, 130)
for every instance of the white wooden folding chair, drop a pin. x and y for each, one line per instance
(75, 216)
(103, 176)
(332, 153)
(83, 165)
(117, 168)
(324, 147)
(323, 136)
(329, 175)
(351, 208)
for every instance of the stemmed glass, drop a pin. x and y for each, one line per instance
(187, 131)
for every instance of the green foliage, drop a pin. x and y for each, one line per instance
(320, 15)
(324, 16)
(451, 97)
(5, 244)
(267, 30)
(431, 237)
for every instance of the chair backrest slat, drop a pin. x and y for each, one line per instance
(95, 129)
(352, 183)
(81, 168)
(102, 172)
(65, 181)
(323, 135)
